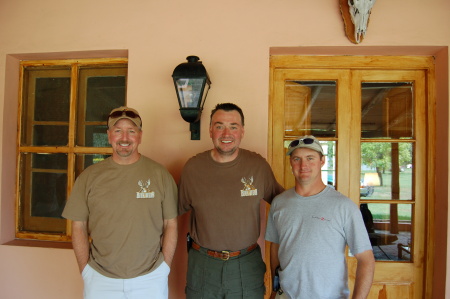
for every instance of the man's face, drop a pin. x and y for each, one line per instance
(125, 138)
(306, 166)
(226, 132)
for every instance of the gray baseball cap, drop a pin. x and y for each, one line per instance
(307, 141)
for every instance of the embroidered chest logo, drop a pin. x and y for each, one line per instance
(145, 191)
(249, 189)
(321, 218)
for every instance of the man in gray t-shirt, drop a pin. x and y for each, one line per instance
(309, 226)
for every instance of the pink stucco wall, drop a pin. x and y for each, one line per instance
(233, 39)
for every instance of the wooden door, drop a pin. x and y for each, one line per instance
(372, 123)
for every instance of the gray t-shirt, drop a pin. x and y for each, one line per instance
(313, 232)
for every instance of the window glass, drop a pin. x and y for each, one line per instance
(390, 230)
(100, 91)
(387, 110)
(386, 170)
(45, 106)
(310, 108)
(43, 192)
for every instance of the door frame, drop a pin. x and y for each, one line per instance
(407, 62)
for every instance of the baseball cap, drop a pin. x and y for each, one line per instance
(307, 141)
(124, 112)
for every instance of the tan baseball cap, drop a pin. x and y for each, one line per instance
(124, 112)
(307, 141)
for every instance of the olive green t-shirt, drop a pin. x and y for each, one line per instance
(224, 198)
(125, 206)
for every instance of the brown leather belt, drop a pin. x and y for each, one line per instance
(225, 255)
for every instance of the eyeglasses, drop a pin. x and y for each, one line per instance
(128, 113)
(296, 142)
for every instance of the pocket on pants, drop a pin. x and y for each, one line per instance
(86, 271)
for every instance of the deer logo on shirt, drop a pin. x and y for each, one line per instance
(249, 189)
(145, 191)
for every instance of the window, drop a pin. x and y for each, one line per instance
(63, 109)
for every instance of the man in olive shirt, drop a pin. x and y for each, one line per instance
(223, 188)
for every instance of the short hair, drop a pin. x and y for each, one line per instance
(227, 107)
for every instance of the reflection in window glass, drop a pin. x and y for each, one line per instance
(386, 170)
(310, 108)
(389, 228)
(387, 110)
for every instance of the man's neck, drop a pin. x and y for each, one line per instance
(221, 158)
(309, 190)
(126, 160)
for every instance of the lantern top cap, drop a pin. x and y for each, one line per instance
(193, 68)
(193, 58)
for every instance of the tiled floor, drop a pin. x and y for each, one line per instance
(390, 251)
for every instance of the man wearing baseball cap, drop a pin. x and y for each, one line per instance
(309, 226)
(127, 206)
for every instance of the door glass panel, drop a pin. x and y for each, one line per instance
(386, 170)
(310, 108)
(387, 109)
(389, 228)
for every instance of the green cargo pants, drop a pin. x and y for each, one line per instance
(241, 277)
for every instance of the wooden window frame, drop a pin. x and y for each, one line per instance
(71, 149)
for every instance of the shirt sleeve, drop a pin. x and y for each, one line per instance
(271, 231)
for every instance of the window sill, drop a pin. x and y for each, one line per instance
(42, 244)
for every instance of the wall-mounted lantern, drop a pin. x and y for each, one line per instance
(190, 79)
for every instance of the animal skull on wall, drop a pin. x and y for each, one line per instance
(356, 15)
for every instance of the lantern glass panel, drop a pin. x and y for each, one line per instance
(189, 91)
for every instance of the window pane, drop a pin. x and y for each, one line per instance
(48, 194)
(329, 168)
(310, 108)
(52, 99)
(46, 105)
(50, 135)
(386, 170)
(103, 95)
(96, 136)
(101, 90)
(389, 229)
(43, 192)
(387, 110)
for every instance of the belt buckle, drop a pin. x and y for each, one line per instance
(225, 255)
